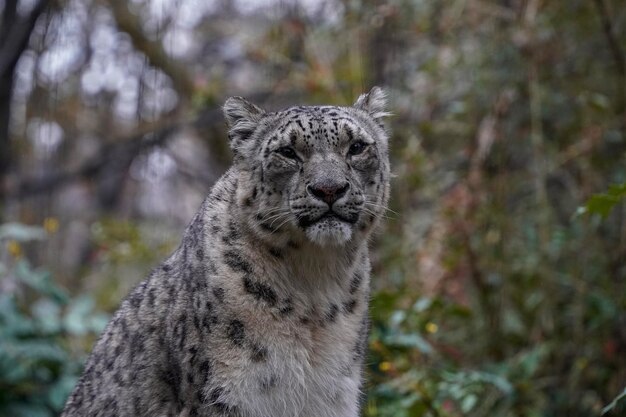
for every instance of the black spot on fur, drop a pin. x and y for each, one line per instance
(209, 318)
(236, 332)
(193, 351)
(151, 296)
(111, 408)
(180, 330)
(215, 396)
(276, 252)
(236, 262)
(171, 377)
(167, 268)
(355, 283)
(137, 405)
(268, 383)
(259, 353)
(205, 371)
(137, 344)
(331, 314)
(287, 308)
(349, 306)
(218, 292)
(260, 290)
(117, 378)
(233, 234)
(202, 398)
(135, 299)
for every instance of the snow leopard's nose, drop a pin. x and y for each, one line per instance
(328, 191)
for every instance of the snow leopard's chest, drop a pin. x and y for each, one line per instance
(305, 365)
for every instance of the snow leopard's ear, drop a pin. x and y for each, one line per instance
(374, 103)
(243, 118)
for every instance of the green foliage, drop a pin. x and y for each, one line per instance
(438, 358)
(38, 368)
(603, 203)
(413, 376)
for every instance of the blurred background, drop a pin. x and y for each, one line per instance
(500, 273)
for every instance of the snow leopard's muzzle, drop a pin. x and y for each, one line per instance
(330, 203)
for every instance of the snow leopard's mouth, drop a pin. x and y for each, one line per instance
(307, 221)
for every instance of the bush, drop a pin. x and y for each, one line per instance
(38, 366)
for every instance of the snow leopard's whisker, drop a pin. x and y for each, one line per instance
(378, 205)
(271, 210)
(279, 218)
(270, 214)
(273, 217)
(281, 225)
(373, 213)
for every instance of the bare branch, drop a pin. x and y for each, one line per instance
(113, 153)
(14, 35)
(16, 38)
(609, 32)
(120, 152)
(153, 50)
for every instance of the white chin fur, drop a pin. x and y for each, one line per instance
(329, 232)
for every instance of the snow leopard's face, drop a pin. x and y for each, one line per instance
(319, 173)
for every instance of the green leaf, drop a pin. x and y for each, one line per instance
(602, 204)
(77, 320)
(422, 304)
(468, 403)
(34, 350)
(47, 315)
(40, 281)
(58, 393)
(411, 340)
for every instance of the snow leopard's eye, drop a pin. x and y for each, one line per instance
(357, 148)
(287, 152)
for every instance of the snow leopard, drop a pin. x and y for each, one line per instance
(262, 311)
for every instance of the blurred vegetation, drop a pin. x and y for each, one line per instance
(40, 325)
(500, 274)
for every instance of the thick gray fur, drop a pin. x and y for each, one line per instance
(262, 310)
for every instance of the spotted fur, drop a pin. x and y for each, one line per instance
(262, 310)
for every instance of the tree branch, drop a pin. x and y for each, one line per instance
(113, 153)
(153, 50)
(609, 32)
(16, 38)
(125, 149)
(14, 35)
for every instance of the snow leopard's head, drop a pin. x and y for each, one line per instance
(311, 172)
